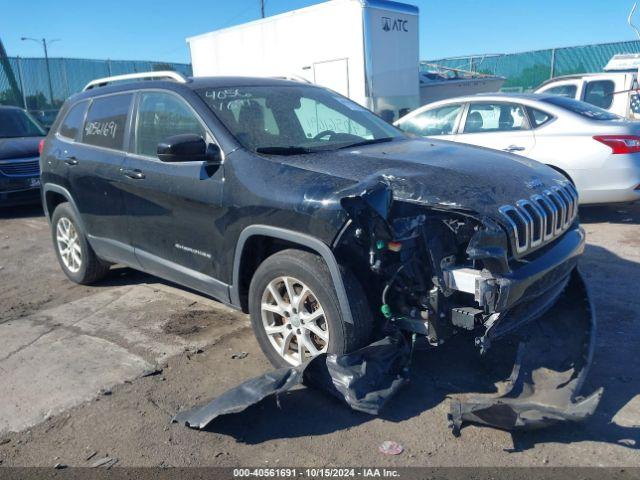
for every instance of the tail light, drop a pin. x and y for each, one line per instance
(620, 143)
(40, 146)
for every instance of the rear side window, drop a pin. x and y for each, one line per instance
(72, 123)
(162, 115)
(538, 117)
(106, 121)
(599, 93)
(568, 91)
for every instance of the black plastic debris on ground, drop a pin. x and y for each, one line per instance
(553, 359)
(365, 380)
(549, 369)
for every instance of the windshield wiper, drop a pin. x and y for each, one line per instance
(291, 150)
(368, 142)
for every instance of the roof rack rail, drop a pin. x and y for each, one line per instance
(159, 75)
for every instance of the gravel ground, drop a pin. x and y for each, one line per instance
(167, 348)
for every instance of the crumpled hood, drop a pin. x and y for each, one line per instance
(23, 147)
(436, 173)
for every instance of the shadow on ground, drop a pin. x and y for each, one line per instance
(457, 368)
(23, 211)
(621, 213)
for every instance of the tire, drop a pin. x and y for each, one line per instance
(303, 268)
(83, 266)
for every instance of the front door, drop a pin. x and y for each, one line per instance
(497, 125)
(173, 208)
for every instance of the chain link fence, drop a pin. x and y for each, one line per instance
(525, 71)
(42, 87)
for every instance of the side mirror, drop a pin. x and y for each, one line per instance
(188, 147)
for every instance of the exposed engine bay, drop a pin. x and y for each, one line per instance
(437, 272)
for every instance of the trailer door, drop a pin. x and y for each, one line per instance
(333, 74)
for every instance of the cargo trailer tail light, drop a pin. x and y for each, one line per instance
(620, 143)
(40, 146)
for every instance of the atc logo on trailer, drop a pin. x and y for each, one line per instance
(394, 24)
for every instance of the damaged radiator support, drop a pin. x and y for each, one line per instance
(553, 357)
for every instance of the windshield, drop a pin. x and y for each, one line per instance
(18, 123)
(581, 108)
(291, 120)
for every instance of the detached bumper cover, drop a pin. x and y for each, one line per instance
(551, 365)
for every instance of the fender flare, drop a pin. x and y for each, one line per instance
(302, 239)
(52, 187)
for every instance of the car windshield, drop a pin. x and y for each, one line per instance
(292, 120)
(581, 108)
(18, 123)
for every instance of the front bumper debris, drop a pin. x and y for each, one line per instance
(365, 380)
(552, 361)
(554, 355)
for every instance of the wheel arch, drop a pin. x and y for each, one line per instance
(54, 195)
(286, 239)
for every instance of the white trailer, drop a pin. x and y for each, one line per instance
(366, 50)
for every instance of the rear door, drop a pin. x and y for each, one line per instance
(173, 208)
(91, 164)
(332, 74)
(497, 125)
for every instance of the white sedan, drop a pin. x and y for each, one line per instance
(597, 150)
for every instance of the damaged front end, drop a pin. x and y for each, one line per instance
(440, 270)
(437, 270)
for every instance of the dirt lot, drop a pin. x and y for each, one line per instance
(90, 372)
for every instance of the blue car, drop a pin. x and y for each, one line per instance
(20, 136)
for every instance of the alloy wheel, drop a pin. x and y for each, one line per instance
(69, 244)
(294, 320)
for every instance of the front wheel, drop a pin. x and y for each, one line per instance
(295, 311)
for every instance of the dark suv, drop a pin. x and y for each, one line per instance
(297, 205)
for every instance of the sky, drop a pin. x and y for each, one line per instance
(156, 29)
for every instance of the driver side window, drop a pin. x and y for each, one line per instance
(314, 118)
(162, 115)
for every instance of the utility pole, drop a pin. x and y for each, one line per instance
(46, 61)
(262, 8)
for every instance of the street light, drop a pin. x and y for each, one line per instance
(44, 42)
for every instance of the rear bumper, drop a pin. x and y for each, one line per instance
(542, 278)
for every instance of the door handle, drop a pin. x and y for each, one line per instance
(514, 148)
(70, 160)
(135, 174)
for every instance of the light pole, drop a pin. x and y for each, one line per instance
(46, 60)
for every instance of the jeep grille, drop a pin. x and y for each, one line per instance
(542, 217)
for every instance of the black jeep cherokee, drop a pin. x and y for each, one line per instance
(297, 205)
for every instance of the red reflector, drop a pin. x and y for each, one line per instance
(620, 143)
(40, 146)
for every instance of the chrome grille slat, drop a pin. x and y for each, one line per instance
(542, 217)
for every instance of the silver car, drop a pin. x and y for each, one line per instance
(595, 149)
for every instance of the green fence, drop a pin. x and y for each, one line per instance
(42, 88)
(525, 71)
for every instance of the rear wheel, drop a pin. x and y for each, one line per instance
(77, 259)
(295, 311)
